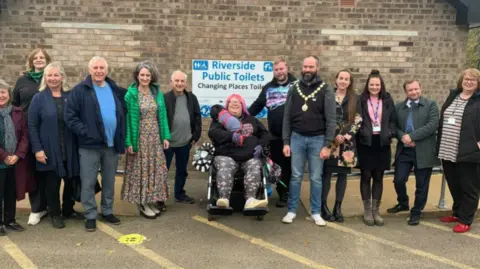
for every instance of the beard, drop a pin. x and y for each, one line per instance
(308, 76)
(281, 77)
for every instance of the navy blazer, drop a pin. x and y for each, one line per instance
(43, 130)
(84, 118)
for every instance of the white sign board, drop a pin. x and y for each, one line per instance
(214, 80)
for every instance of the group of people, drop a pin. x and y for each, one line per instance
(49, 132)
(335, 129)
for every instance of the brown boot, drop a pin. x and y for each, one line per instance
(367, 213)
(376, 214)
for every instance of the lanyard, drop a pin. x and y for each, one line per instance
(375, 112)
(458, 102)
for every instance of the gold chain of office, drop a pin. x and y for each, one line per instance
(305, 106)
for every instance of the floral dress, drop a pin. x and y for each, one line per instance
(146, 174)
(344, 156)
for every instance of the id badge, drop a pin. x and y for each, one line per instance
(451, 120)
(377, 128)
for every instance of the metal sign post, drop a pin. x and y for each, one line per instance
(442, 203)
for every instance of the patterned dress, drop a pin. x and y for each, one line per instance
(146, 174)
(344, 156)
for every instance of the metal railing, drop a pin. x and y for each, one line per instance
(442, 203)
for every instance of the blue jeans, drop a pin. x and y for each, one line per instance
(90, 161)
(305, 148)
(181, 162)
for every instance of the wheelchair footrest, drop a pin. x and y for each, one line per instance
(215, 210)
(260, 211)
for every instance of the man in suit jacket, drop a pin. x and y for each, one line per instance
(417, 121)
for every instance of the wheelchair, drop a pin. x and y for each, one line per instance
(237, 198)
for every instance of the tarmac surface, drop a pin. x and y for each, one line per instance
(183, 238)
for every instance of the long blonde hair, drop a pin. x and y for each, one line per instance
(43, 83)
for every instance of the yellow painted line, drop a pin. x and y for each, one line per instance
(16, 253)
(443, 228)
(163, 262)
(399, 246)
(262, 243)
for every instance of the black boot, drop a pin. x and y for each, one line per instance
(57, 222)
(282, 199)
(337, 211)
(325, 212)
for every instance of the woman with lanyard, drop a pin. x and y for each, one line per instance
(377, 110)
(459, 148)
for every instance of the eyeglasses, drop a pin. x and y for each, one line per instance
(470, 79)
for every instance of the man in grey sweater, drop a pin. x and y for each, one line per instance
(309, 126)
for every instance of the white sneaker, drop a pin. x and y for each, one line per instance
(223, 202)
(289, 217)
(35, 218)
(255, 203)
(318, 220)
(154, 208)
(147, 212)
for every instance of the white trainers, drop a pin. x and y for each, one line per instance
(223, 202)
(154, 208)
(255, 203)
(289, 217)
(318, 220)
(35, 218)
(147, 212)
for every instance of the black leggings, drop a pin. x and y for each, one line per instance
(371, 190)
(340, 186)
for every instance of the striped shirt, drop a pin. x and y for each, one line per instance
(451, 132)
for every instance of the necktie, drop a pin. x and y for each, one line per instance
(409, 127)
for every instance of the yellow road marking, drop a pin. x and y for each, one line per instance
(399, 246)
(163, 262)
(11, 248)
(443, 228)
(262, 243)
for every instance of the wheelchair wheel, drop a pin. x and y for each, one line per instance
(260, 218)
(210, 217)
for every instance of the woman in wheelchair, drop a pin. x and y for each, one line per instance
(239, 149)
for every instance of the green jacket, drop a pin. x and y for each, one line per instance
(425, 118)
(133, 115)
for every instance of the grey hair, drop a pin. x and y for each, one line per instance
(178, 71)
(5, 85)
(150, 67)
(96, 59)
(43, 83)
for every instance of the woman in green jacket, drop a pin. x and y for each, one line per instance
(147, 135)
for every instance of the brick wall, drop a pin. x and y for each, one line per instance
(401, 38)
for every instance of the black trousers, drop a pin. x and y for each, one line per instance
(340, 186)
(406, 160)
(37, 198)
(276, 148)
(8, 195)
(52, 194)
(464, 183)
